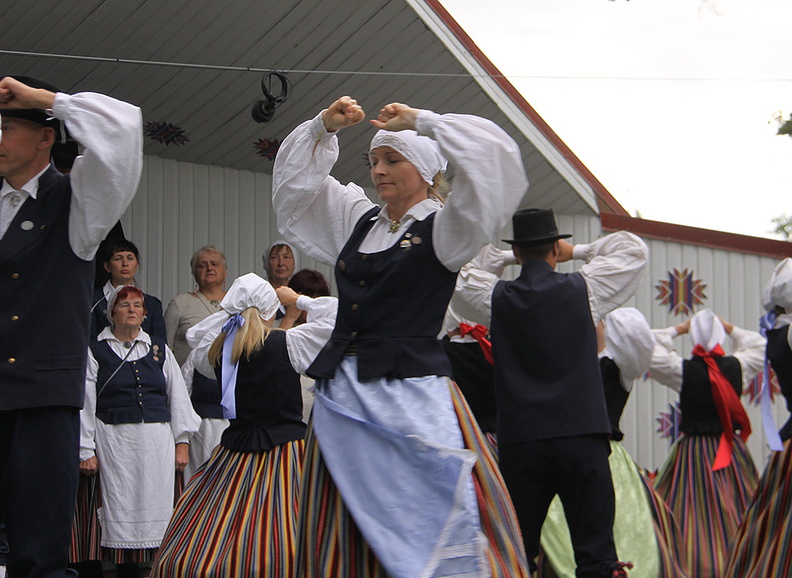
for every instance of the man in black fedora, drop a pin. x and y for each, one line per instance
(50, 227)
(552, 423)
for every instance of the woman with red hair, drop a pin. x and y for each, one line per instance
(134, 427)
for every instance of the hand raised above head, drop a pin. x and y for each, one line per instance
(342, 113)
(565, 251)
(14, 94)
(396, 116)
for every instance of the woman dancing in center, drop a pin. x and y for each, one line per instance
(398, 480)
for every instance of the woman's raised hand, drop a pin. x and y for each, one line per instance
(342, 113)
(396, 117)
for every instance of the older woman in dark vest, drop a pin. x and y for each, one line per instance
(397, 444)
(135, 426)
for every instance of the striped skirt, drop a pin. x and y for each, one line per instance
(761, 548)
(708, 506)
(668, 534)
(236, 518)
(331, 546)
(85, 533)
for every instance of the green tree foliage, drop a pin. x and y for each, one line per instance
(783, 226)
(784, 125)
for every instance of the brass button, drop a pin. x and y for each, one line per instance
(354, 334)
(354, 307)
(15, 276)
(15, 318)
(364, 257)
(362, 283)
(11, 360)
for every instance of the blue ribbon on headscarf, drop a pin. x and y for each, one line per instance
(229, 371)
(766, 323)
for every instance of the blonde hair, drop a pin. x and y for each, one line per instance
(249, 339)
(439, 188)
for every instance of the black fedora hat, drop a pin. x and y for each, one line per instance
(534, 227)
(33, 114)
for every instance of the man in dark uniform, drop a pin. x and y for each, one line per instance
(50, 227)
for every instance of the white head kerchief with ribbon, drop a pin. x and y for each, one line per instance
(246, 291)
(707, 330)
(630, 343)
(422, 152)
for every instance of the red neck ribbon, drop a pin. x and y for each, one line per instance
(479, 333)
(730, 410)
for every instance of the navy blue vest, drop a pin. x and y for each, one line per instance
(137, 392)
(699, 414)
(780, 357)
(206, 396)
(45, 292)
(390, 308)
(615, 395)
(268, 399)
(153, 323)
(544, 345)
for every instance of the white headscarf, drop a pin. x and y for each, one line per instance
(422, 152)
(113, 298)
(266, 255)
(778, 291)
(630, 342)
(707, 330)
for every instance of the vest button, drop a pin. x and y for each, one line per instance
(362, 283)
(354, 307)
(364, 257)
(11, 360)
(353, 334)
(15, 275)
(15, 318)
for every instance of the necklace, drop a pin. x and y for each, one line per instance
(394, 226)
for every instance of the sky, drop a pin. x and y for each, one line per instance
(670, 103)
